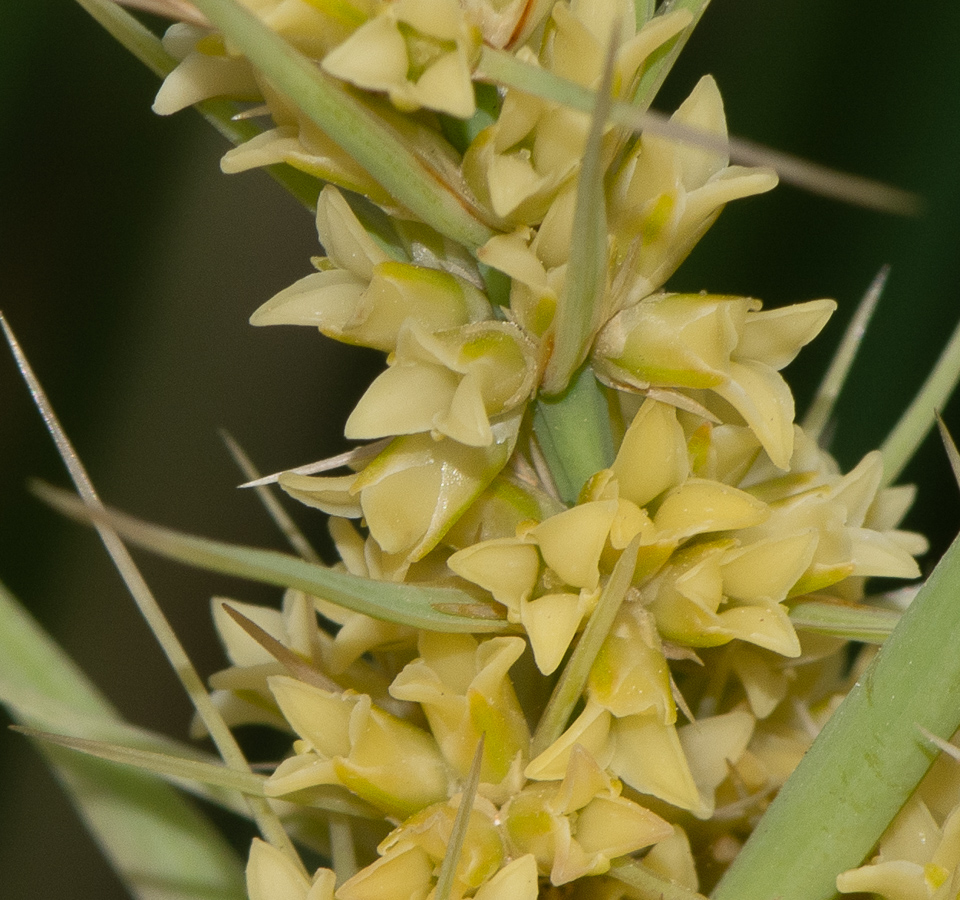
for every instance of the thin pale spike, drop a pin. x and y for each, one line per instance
(295, 537)
(255, 112)
(461, 822)
(358, 454)
(266, 819)
(950, 749)
(821, 409)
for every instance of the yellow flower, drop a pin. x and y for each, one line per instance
(463, 688)
(205, 70)
(575, 827)
(917, 858)
(273, 876)
(450, 383)
(667, 194)
(420, 52)
(519, 164)
(363, 297)
(346, 740)
(720, 344)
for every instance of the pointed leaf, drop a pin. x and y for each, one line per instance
(348, 122)
(161, 764)
(155, 839)
(867, 760)
(581, 305)
(821, 409)
(404, 604)
(852, 623)
(953, 455)
(647, 885)
(568, 689)
(506, 69)
(915, 423)
(461, 822)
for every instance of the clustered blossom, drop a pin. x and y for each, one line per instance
(702, 696)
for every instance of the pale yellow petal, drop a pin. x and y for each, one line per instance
(551, 622)
(653, 454)
(649, 757)
(272, 875)
(700, 506)
(572, 541)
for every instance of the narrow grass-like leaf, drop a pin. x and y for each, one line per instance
(821, 409)
(581, 305)
(953, 455)
(288, 528)
(146, 47)
(569, 687)
(157, 842)
(503, 68)
(45, 712)
(574, 435)
(226, 744)
(915, 423)
(852, 623)
(661, 61)
(647, 885)
(405, 175)
(867, 760)
(131, 34)
(405, 604)
(461, 822)
(161, 764)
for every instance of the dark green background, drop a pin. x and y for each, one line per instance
(129, 265)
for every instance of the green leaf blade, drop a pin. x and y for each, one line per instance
(404, 604)
(349, 123)
(866, 762)
(158, 843)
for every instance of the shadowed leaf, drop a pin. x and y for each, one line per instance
(404, 604)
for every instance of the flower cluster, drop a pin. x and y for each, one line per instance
(660, 588)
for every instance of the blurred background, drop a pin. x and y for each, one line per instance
(129, 266)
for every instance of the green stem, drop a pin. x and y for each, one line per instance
(866, 762)
(573, 430)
